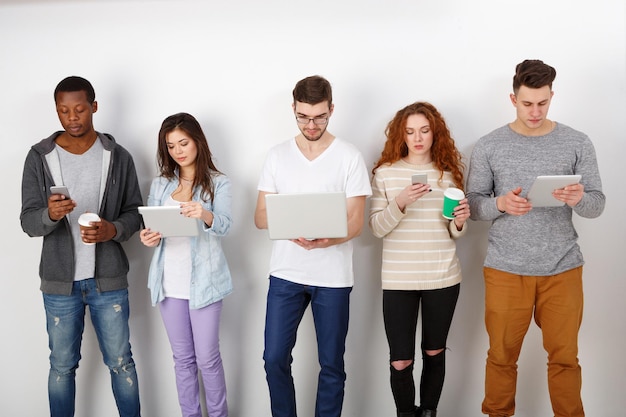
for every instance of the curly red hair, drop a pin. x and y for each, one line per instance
(445, 155)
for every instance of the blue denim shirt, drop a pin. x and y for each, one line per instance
(210, 276)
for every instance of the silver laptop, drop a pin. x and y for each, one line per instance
(168, 221)
(307, 215)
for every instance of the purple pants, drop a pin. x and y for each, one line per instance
(194, 338)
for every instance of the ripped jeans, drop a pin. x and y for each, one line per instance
(65, 322)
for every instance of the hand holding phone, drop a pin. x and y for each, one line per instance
(59, 207)
(60, 189)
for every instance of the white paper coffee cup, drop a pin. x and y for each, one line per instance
(84, 221)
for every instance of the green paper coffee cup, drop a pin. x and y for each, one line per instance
(451, 198)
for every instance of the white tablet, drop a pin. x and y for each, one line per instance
(540, 194)
(310, 215)
(168, 221)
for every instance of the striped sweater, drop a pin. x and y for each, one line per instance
(419, 252)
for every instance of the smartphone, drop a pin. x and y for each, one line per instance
(60, 189)
(419, 179)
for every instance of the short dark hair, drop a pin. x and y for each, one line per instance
(313, 90)
(533, 73)
(75, 83)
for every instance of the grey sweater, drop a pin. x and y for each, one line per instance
(542, 242)
(118, 204)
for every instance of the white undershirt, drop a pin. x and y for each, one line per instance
(176, 263)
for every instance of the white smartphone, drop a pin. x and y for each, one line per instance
(60, 189)
(419, 179)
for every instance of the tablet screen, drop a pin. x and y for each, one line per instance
(168, 221)
(540, 194)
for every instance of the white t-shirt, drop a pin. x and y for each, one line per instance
(176, 263)
(340, 168)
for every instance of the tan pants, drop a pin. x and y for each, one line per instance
(557, 304)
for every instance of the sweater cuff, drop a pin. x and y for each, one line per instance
(46, 220)
(395, 211)
(454, 232)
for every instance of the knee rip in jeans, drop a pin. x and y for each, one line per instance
(401, 364)
(124, 368)
(60, 375)
(117, 308)
(432, 352)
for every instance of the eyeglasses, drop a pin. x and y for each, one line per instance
(316, 120)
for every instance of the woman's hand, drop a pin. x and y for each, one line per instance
(461, 214)
(195, 210)
(191, 209)
(150, 238)
(411, 194)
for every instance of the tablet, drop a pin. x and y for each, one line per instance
(307, 215)
(168, 221)
(540, 194)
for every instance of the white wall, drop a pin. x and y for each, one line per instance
(233, 65)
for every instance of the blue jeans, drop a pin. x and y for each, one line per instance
(286, 303)
(65, 316)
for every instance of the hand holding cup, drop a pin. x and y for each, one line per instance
(85, 221)
(451, 198)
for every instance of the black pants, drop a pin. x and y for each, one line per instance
(400, 313)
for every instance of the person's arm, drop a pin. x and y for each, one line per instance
(152, 238)
(512, 203)
(128, 219)
(385, 215)
(220, 217)
(586, 199)
(35, 215)
(260, 213)
(215, 215)
(356, 214)
(458, 224)
(484, 205)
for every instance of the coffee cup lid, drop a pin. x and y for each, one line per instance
(85, 218)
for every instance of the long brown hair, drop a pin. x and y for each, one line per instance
(445, 155)
(205, 168)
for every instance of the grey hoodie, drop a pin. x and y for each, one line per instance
(118, 205)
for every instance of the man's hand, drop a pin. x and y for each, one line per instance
(59, 205)
(312, 243)
(571, 194)
(102, 231)
(513, 204)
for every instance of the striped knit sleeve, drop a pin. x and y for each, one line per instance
(384, 215)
